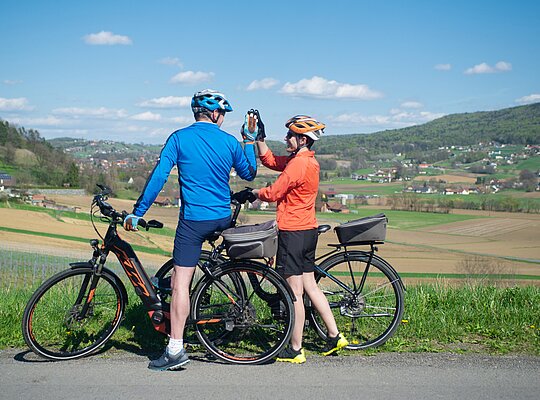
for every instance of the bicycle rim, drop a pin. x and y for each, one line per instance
(52, 323)
(250, 330)
(369, 317)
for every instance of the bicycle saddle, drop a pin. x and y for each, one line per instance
(323, 228)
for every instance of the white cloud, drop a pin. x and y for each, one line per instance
(532, 98)
(40, 121)
(483, 68)
(101, 112)
(412, 104)
(167, 102)
(323, 88)
(192, 77)
(106, 38)
(395, 119)
(171, 61)
(16, 104)
(146, 116)
(356, 118)
(11, 82)
(503, 66)
(443, 67)
(266, 83)
(182, 120)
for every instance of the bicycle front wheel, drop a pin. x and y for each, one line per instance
(53, 324)
(247, 326)
(367, 301)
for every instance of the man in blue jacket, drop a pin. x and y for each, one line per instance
(204, 155)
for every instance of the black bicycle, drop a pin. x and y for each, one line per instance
(241, 310)
(365, 293)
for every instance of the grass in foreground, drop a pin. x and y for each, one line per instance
(437, 318)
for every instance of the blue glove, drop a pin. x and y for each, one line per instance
(130, 222)
(250, 128)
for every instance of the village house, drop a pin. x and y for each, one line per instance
(334, 207)
(6, 181)
(163, 201)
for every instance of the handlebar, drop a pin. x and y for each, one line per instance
(108, 210)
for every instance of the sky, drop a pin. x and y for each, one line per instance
(126, 70)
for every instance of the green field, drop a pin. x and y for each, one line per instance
(478, 319)
(532, 164)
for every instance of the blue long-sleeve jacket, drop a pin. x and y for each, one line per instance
(204, 155)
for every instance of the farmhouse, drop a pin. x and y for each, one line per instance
(163, 201)
(6, 180)
(334, 207)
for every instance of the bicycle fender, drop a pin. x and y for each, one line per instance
(391, 268)
(366, 255)
(118, 281)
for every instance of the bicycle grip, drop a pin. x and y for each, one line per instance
(150, 224)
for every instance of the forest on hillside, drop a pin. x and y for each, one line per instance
(32, 160)
(65, 161)
(516, 125)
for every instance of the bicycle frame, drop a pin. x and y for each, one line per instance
(135, 272)
(337, 251)
(158, 311)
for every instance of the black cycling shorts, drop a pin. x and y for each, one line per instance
(296, 252)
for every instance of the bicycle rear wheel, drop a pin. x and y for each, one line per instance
(52, 324)
(367, 314)
(247, 326)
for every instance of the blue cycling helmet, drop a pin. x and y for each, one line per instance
(210, 100)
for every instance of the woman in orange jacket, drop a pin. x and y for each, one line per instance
(295, 192)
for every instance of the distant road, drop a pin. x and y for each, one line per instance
(114, 375)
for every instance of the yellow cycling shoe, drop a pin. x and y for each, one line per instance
(292, 356)
(334, 344)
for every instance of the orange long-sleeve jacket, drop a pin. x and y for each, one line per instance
(295, 190)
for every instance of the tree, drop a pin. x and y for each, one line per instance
(529, 180)
(72, 176)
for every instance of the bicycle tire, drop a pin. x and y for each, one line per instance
(50, 326)
(252, 330)
(367, 318)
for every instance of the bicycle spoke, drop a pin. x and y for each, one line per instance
(53, 325)
(367, 318)
(253, 331)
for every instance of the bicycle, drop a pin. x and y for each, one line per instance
(76, 311)
(365, 293)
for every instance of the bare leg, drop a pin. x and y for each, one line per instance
(295, 282)
(319, 301)
(180, 303)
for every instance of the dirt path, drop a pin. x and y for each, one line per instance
(440, 249)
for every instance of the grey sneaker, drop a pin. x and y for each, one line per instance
(169, 362)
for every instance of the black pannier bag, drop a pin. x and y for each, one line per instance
(367, 229)
(251, 241)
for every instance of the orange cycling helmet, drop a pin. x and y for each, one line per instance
(305, 125)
